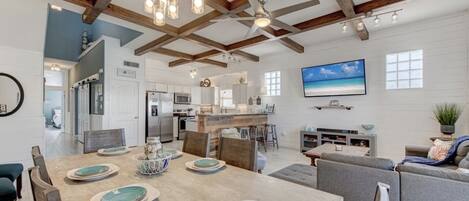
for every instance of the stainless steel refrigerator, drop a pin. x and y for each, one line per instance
(159, 121)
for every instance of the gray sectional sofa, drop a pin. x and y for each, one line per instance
(355, 178)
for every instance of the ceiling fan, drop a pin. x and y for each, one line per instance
(263, 18)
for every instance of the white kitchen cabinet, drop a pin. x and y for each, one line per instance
(192, 125)
(240, 94)
(171, 89)
(186, 89)
(210, 96)
(178, 89)
(161, 87)
(196, 95)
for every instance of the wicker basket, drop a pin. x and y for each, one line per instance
(153, 167)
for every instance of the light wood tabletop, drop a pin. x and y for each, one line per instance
(179, 183)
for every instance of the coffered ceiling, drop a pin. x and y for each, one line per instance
(228, 33)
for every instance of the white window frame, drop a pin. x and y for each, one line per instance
(404, 70)
(273, 83)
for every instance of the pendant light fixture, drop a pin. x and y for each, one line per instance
(173, 9)
(148, 6)
(198, 6)
(159, 12)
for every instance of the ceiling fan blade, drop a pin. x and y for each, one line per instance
(294, 8)
(252, 30)
(257, 7)
(233, 19)
(285, 26)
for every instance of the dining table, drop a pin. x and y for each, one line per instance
(179, 183)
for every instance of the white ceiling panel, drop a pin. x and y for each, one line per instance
(186, 47)
(226, 32)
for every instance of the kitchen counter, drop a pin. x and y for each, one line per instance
(214, 123)
(231, 114)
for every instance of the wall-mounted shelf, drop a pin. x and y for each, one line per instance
(338, 107)
(333, 104)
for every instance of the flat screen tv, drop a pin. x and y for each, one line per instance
(338, 79)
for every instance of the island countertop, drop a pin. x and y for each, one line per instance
(231, 114)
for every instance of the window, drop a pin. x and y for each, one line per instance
(227, 98)
(404, 70)
(272, 83)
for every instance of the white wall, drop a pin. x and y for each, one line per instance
(159, 72)
(21, 55)
(401, 117)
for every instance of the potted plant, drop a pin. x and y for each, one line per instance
(447, 114)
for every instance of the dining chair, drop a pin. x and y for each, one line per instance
(196, 143)
(42, 191)
(101, 139)
(38, 160)
(241, 153)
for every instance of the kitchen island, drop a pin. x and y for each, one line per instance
(214, 123)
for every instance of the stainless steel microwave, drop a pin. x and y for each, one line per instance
(182, 98)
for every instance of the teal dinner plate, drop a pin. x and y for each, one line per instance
(206, 163)
(130, 193)
(92, 170)
(114, 149)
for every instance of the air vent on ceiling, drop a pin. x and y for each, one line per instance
(131, 64)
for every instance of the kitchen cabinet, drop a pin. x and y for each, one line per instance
(196, 95)
(240, 94)
(186, 89)
(171, 89)
(209, 96)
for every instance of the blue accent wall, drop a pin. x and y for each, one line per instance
(64, 30)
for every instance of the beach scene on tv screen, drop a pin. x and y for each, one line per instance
(347, 78)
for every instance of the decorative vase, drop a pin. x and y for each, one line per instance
(152, 148)
(447, 129)
(258, 101)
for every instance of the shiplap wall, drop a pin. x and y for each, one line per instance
(401, 117)
(21, 55)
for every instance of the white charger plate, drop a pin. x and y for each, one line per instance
(152, 192)
(190, 165)
(113, 153)
(112, 169)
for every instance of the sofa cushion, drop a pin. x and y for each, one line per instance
(380, 163)
(7, 190)
(464, 163)
(298, 173)
(433, 171)
(462, 151)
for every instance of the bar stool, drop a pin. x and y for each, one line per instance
(270, 135)
(259, 135)
(244, 132)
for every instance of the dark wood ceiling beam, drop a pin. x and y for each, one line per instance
(237, 6)
(128, 15)
(222, 6)
(153, 45)
(205, 42)
(198, 23)
(179, 62)
(246, 55)
(174, 53)
(213, 62)
(287, 42)
(91, 13)
(347, 7)
(207, 54)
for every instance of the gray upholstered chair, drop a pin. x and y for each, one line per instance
(38, 160)
(241, 153)
(42, 191)
(355, 177)
(197, 144)
(101, 139)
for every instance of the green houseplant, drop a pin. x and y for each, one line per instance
(447, 114)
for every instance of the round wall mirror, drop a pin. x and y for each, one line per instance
(11, 95)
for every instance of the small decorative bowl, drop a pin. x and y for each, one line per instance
(153, 167)
(368, 127)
